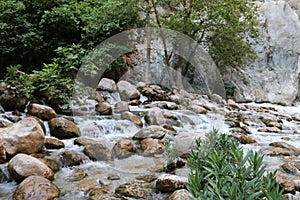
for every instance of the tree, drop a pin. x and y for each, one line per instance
(221, 26)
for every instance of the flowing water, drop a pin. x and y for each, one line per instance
(112, 128)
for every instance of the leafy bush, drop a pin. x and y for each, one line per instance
(221, 170)
(46, 84)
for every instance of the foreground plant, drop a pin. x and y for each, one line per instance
(221, 170)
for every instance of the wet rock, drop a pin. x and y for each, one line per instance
(123, 148)
(244, 139)
(36, 188)
(25, 136)
(217, 98)
(22, 166)
(103, 108)
(98, 152)
(13, 118)
(53, 143)
(269, 130)
(147, 178)
(4, 124)
(127, 91)
(83, 141)
(87, 184)
(170, 183)
(287, 146)
(113, 177)
(53, 163)
(197, 109)
(290, 168)
(41, 111)
(271, 121)
(169, 128)
(155, 116)
(106, 84)
(11, 103)
(184, 142)
(152, 146)
(169, 115)
(71, 158)
(275, 151)
(121, 106)
(135, 190)
(62, 128)
(153, 131)
(98, 192)
(181, 194)
(286, 183)
(132, 117)
(77, 174)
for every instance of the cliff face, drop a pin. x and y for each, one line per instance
(274, 76)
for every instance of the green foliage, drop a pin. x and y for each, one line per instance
(48, 83)
(170, 153)
(222, 26)
(221, 170)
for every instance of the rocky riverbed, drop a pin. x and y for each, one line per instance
(114, 148)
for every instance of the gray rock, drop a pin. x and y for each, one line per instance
(106, 84)
(22, 166)
(127, 91)
(36, 188)
(155, 116)
(121, 106)
(184, 142)
(268, 77)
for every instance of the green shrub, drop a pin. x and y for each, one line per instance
(221, 170)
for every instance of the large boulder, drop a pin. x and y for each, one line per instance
(132, 117)
(12, 103)
(155, 116)
(41, 111)
(36, 188)
(128, 91)
(121, 106)
(22, 166)
(106, 84)
(25, 136)
(62, 128)
(152, 146)
(123, 148)
(276, 69)
(98, 151)
(104, 108)
(184, 142)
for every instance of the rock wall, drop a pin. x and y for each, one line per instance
(274, 76)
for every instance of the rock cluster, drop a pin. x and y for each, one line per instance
(35, 160)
